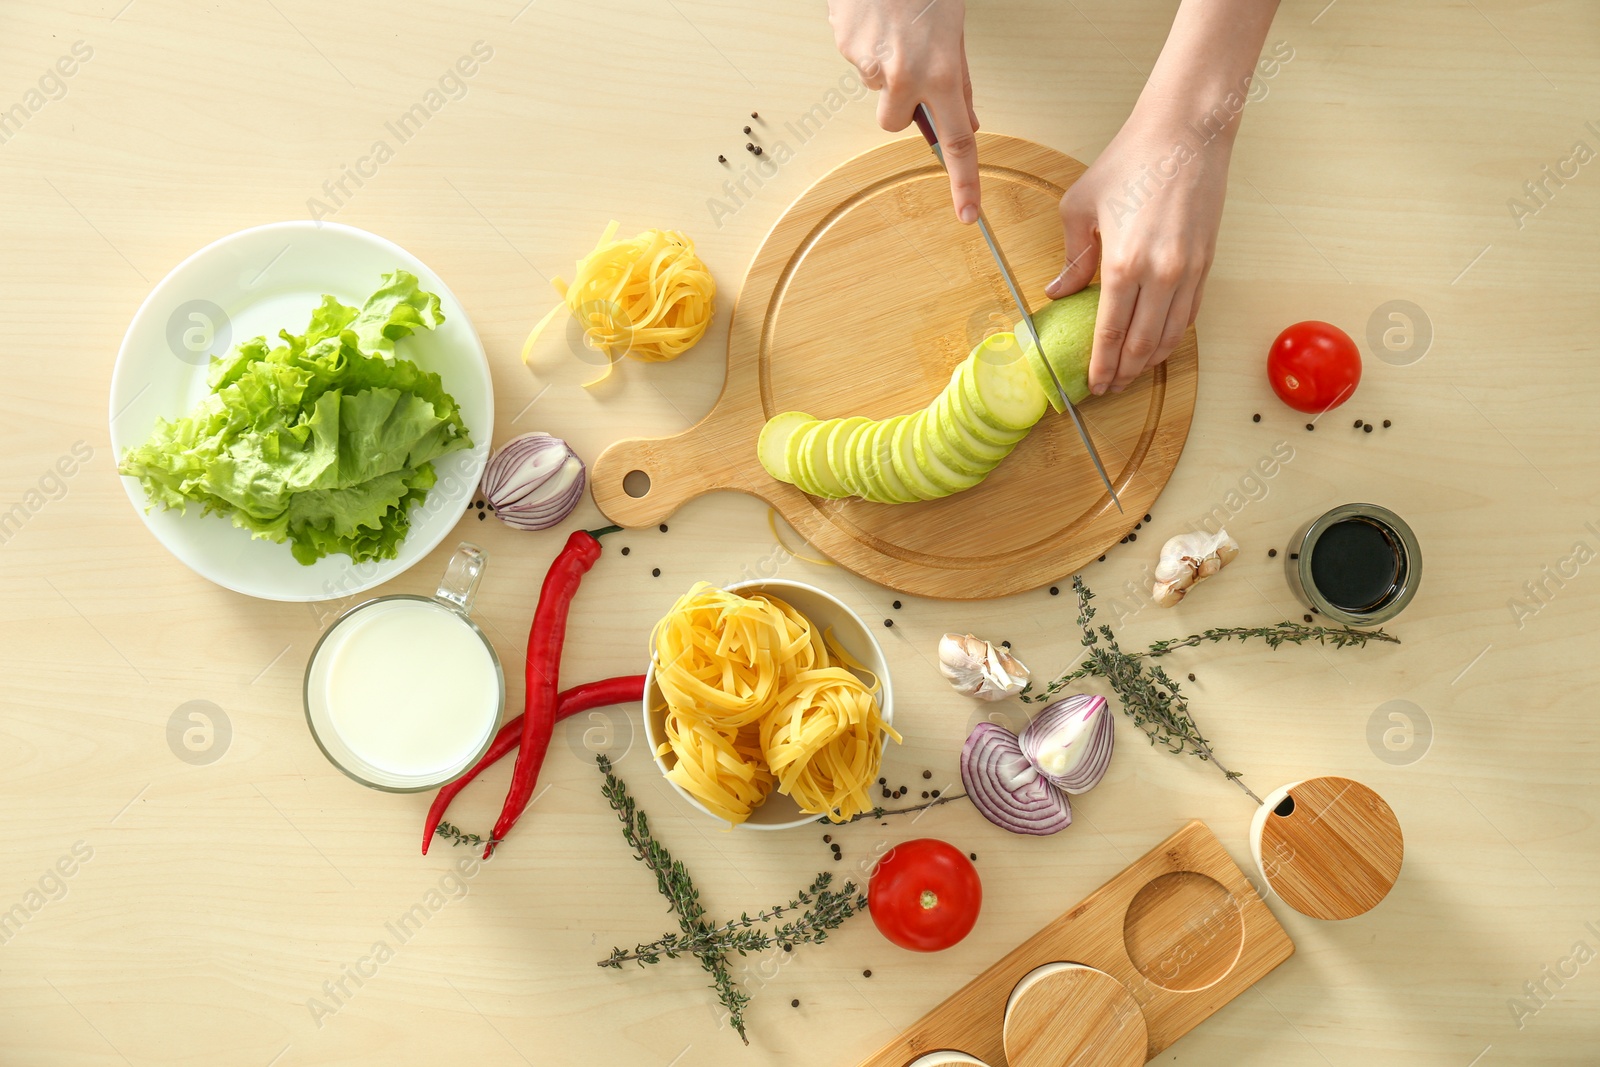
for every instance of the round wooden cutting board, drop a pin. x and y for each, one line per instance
(861, 300)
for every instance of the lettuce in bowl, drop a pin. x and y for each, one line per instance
(324, 440)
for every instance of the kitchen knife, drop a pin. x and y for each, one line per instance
(925, 123)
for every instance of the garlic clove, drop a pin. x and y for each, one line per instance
(978, 669)
(1189, 558)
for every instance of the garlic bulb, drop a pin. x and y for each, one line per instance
(979, 669)
(1190, 558)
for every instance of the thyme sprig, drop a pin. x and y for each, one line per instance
(457, 836)
(1152, 698)
(821, 909)
(878, 813)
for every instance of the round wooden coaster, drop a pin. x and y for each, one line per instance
(1069, 1015)
(1330, 847)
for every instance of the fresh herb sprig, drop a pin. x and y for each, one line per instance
(821, 908)
(457, 836)
(878, 813)
(1152, 698)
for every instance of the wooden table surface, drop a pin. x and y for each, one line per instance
(167, 910)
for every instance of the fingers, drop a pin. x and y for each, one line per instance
(1082, 246)
(1117, 300)
(953, 123)
(966, 85)
(896, 103)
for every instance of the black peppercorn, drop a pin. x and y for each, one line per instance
(1133, 537)
(754, 115)
(826, 838)
(883, 781)
(1255, 418)
(794, 1003)
(655, 572)
(973, 856)
(1005, 644)
(1147, 518)
(662, 527)
(1358, 424)
(788, 948)
(1367, 427)
(747, 129)
(749, 147)
(1308, 618)
(886, 794)
(758, 150)
(1102, 559)
(935, 794)
(866, 974)
(1271, 552)
(625, 550)
(722, 159)
(888, 622)
(1311, 426)
(481, 516)
(1191, 677)
(1386, 424)
(1055, 590)
(1138, 526)
(927, 774)
(480, 505)
(897, 605)
(1124, 540)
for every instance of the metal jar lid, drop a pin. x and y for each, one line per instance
(1407, 577)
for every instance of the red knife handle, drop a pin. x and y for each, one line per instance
(924, 123)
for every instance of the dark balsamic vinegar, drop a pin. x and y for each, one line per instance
(1355, 564)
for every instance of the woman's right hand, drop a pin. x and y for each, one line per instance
(914, 52)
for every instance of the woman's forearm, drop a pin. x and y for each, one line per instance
(1202, 76)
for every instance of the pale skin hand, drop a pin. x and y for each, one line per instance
(1146, 213)
(914, 52)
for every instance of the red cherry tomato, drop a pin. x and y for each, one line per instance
(925, 895)
(1314, 366)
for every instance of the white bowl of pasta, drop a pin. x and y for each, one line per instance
(825, 741)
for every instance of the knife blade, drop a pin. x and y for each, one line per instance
(924, 123)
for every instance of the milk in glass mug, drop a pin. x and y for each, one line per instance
(403, 693)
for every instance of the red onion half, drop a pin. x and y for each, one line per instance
(534, 481)
(1007, 788)
(1070, 742)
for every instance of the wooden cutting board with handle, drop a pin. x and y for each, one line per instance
(864, 296)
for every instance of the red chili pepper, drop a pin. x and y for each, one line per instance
(575, 701)
(545, 638)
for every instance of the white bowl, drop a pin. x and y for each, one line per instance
(779, 812)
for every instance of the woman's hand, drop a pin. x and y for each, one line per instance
(1146, 213)
(914, 52)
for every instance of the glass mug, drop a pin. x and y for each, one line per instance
(403, 693)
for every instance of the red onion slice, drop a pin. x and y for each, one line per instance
(1007, 788)
(534, 481)
(1070, 742)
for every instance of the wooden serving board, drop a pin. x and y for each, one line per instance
(1181, 928)
(862, 299)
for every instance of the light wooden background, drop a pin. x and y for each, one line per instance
(217, 899)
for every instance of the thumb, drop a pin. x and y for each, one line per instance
(1083, 252)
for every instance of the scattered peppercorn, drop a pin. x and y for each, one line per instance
(1308, 618)
(754, 115)
(662, 527)
(888, 622)
(883, 781)
(826, 838)
(927, 774)
(722, 159)
(935, 794)
(1367, 427)
(1358, 424)
(1271, 552)
(886, 794)
(794, 1003)
(788, 948)
(1055, 590)
(924, 794)
(1311, 426)
(1005, 644)
(973, 856)
(1123, 541)
(758, 150)
(1386, 424)
(748, 147)
(1138, 526)
(655, 572)
(897, 605)
(747, 129)
(481, 516)
(1133, 537)
(625, 550)
(1191, 677)
(1147, 518)
(866, 974)
(1102, 559)
(1314, 611)
(480, 505)
(1255, 418)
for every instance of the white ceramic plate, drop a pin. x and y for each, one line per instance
(825, 611)
(256, 282)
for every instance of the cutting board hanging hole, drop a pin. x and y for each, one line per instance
(1285, 808)
(636, 483)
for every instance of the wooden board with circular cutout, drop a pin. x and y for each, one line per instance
(864, 296)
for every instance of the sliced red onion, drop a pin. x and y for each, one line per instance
(534, 481)
(1007, 788)
(1070, 742)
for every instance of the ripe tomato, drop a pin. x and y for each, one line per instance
(1314, 366)
(925, 895)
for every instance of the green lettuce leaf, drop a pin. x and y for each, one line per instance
(325, 441)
